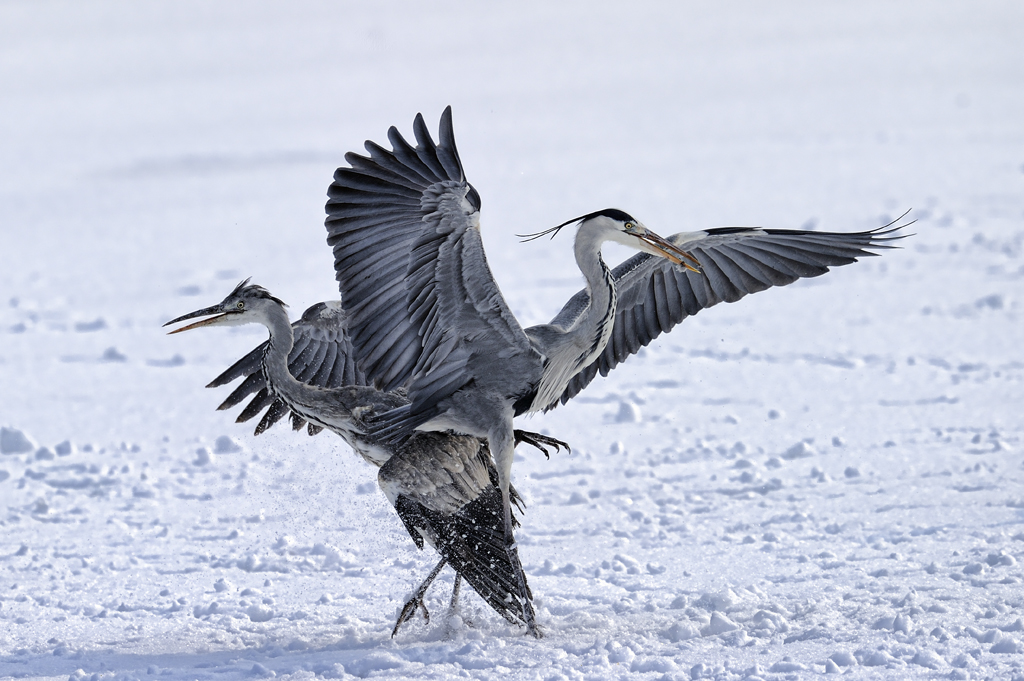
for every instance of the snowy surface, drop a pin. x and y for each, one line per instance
(825, 477)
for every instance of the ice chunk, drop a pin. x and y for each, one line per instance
(902, 623)
(631, 564)
(720, 624)
(787, 666)
(576, 498)
(619, 654)
(1007, 646)
(992, 302)
(143, 491)
(929, 659)
(800, 450)
(997, 559)
(225, 445)
(1017, 625)
(97, 324)
(111, 354)
(877, 658)
(843, 658)
(963, 661)
(884, 623)
(720, 601)
(259, 613)
(628, 413)
(261, 671)
(14, 441)
(681, 631)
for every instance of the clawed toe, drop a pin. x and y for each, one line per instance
(409, 611)
(538, 441)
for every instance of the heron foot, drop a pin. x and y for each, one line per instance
(538, 441)
(409, 611)
(416, 602)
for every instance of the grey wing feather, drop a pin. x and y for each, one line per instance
(654, 295)
(321, 355)
(252, 383)
(404, 226)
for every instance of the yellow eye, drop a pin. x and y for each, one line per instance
(630, 226)
(241, 305)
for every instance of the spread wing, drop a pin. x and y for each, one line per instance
(321, 356)
(654, 295)
(422, 304)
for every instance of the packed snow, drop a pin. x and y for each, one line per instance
(821, 478)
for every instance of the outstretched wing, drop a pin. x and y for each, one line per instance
(321, 356)
(405, 228)
(654, 295)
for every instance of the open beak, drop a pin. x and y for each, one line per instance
(660, 246)
(205, 312)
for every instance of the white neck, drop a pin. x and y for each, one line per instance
(569, 351)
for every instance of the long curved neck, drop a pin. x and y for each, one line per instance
(571, 349)
(595, 323)
(339, 409)
(275, 359)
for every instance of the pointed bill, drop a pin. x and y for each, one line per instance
(216, 310)
(668, 250)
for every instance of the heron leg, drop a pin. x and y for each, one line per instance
(416, 602)
(538, 441)
(455, 592)
(501, 440)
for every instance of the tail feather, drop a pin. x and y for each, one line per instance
(473, 542)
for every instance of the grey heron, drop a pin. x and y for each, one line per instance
(442, 485)
(426, 314)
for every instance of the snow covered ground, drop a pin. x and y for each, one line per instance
(827, 477)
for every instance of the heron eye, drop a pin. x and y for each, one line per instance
(241, 305)
(630, 226)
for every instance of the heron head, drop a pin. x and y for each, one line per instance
(247, 304)
(612, 224)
